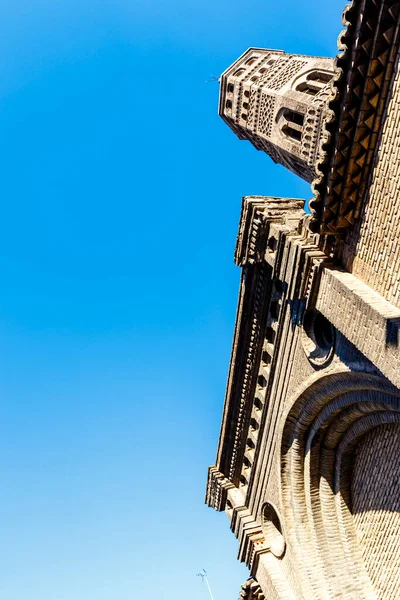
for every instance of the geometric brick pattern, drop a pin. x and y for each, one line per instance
(286, 74)
(307, 467)
(266, 114)
(371, 250)
(371, 41)
(376, 508)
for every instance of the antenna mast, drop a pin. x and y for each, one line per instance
(204, 577)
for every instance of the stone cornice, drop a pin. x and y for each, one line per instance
(217, 489)
(251, 590)
(258, 213)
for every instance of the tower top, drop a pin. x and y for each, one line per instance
(278, 102)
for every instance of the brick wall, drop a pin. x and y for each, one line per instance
(372, 249)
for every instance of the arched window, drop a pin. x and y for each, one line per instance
(320, 76)
(292, 124)
(231, 88)
(251, 61)
(315, 82)
(228, 104)
(239, 72)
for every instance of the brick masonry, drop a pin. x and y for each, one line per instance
(307, 466)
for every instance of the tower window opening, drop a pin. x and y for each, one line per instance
(254, 78)
(262, 70)
(245, 105)
(238, 72)
(308, 88)
(320, 77)
(316, 81)
(292, 133)
(228, 104)
(294, 117)
(244, 116)
(251, 61)
(292, 124)
(247, 93)
(231, 88)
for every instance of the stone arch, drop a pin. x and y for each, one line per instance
(335, 417)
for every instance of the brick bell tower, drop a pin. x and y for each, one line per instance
(278, 102)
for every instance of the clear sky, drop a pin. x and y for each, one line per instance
(120, 198)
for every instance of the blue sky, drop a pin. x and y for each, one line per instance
(121, 192)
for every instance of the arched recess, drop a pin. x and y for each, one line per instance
(340, 473)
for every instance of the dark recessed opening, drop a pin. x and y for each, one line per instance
(231, 88)
(254, 425)
(266, 357)
(274, 309)
(246, 462)
(292, 133)
(320, 77)
(258, 404)
(272, 243)
(294, 117)
(323, 331)
(228, 104)
(262, 382)
(318, 337)
(250, 444)
(308, 88)
(270, 335)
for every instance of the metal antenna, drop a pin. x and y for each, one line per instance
(213, 78)
(204, 577)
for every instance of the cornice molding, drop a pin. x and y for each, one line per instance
(258, 213)
(251, 590)
(217, 489)
(369, 48)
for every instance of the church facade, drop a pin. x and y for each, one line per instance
(307, 467)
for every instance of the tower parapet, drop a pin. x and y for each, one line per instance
(278, 102)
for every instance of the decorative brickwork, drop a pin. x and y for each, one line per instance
(376, 508)
(371, 44)
(262, 100)
(285, 74)
(307, 467)
(265, 119)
